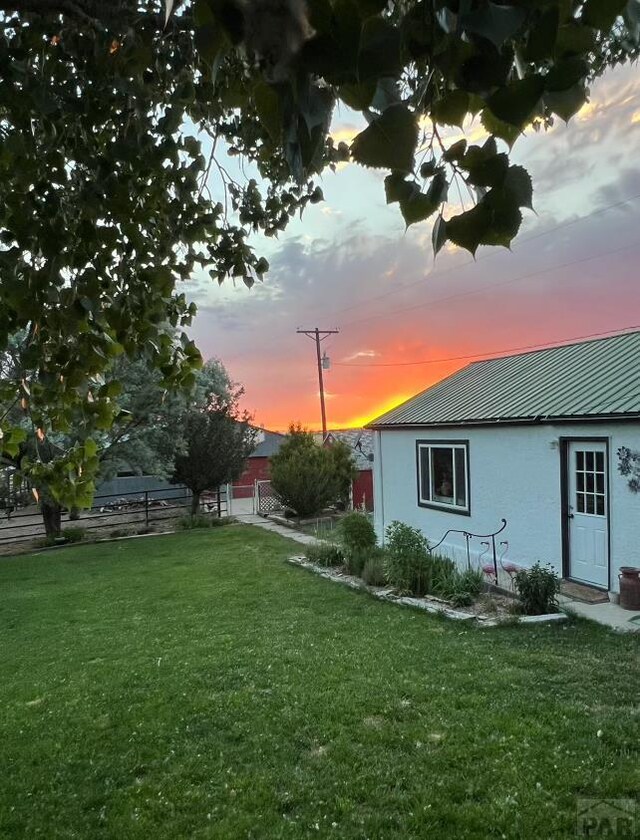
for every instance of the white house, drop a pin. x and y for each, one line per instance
(532, 439)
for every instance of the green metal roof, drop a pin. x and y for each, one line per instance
(591, 379)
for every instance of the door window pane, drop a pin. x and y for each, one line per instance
(600, 505)
(591, 508)
(600, 461)
(580, 502)
(590, 483)
(589, 460)
(600, 482)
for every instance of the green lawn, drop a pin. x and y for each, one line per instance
(197, 686)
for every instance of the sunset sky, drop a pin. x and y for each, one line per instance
(348, 264)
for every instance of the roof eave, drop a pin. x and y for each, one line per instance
(510, 421)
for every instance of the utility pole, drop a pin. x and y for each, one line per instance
(318, 336)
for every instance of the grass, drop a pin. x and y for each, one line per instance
(195, 686)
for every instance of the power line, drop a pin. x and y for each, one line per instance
(483, 257)
(504, 351)
(481, 289)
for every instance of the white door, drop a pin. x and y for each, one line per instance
(588, 513)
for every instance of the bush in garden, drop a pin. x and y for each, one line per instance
(443, 575)
(407, 562)
(357, 532)
(302, 474)
(448, 582)
(355, 561)
(74, 535)
(358, 539)
(537, 589)
(373, 572)
(325, 554)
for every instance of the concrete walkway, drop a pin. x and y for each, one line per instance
(282, 530)
(611, 615)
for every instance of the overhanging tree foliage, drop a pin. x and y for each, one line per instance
(105, 202)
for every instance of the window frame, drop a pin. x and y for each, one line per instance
(429, 444)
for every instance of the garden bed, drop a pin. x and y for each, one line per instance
(490, 609)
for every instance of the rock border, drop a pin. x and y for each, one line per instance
(430, 604)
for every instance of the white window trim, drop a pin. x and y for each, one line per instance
(451, 507)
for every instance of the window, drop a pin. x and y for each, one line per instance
(443, 475)
(590, 482)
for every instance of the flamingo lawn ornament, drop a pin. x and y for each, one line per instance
(487, 565)
(509, 567)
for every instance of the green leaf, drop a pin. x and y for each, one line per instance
(420, 206)
(601, 14)
(489, 172)
(269, 109)
(506, 132)
(495, 23)
(575, 39)
(566, 103)
(543, 34)
(439, 234)
(357, 96)
(397, 188)
(389, 142)
(417, 208)
(468, 229)
(566, 73)
(451, 109)
(516, 103)
(517, 184)
(379, 50)
(428, 168)
(455, 152)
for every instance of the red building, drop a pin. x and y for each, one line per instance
(258, 463)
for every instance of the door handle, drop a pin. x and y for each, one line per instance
(569, 516)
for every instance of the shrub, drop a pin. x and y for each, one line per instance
(443, 575)
(461, 588)
(303, 475)
(325, 554)
(537, 589)
(373, 573)
(407, 564)
(198, 520)
(355, 560)
(74, 535)
(357, 532)
(358, 539)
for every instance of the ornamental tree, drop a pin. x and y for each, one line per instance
(218, 439)
(109, 198)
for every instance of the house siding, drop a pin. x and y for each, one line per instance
(514, 473)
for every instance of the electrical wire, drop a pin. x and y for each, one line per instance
(500, 283)
(503, 352)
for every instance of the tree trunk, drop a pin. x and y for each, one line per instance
(195, 503)
(51, 516)
(74, 514)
